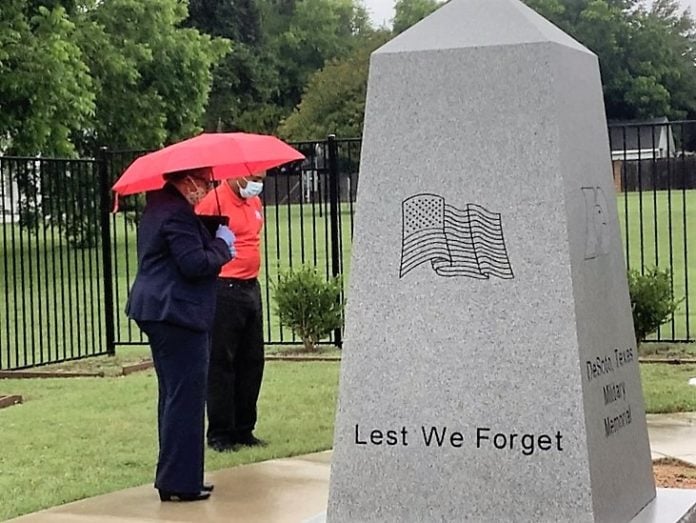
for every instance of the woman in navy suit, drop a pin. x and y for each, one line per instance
(173, 301)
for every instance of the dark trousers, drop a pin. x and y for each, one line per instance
(181, 362)
(236, 360)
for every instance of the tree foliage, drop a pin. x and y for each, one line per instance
(242, 80)
(647, 58)
(45, 88)
(410, 12)
(334, 100)
(77, 74)
(152, 75)
(320, 30)
(646, 55)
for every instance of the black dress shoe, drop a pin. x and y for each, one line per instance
(249, 440)
(209, 487)
(221, 446)
(165, 495)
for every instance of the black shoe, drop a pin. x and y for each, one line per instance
(165, 495)
(221, 446)
(208, 487)
(249, 440)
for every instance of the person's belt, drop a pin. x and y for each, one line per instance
(237, 282)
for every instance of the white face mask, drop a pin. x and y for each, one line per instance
(251, 189)
(196, 195)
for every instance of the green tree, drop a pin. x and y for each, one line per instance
(317, 31)
(334, 100)
(152, 76)
(243, 81)
(45, 87)
(410, 12)
(122, 73)
(666, 58)
(646, 56)
(236, 20)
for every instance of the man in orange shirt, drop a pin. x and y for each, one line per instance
(237, 354)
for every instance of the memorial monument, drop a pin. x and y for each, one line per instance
(490, 370)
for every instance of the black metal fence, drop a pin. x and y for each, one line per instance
(67, 261)
(308, 212)
(654, 166)
(52, 268)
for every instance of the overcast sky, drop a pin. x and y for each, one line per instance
(691, 4)
(382, 11)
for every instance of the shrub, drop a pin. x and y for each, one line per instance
(652, 300)
(309, 304)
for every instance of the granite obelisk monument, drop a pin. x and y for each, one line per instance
(489, 371)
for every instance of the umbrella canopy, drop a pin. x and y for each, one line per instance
(231, 155)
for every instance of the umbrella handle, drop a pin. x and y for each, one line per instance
(217, 198)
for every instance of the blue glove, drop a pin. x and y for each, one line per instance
(225, 234)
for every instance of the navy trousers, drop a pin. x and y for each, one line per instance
(236, 361)
(181, 362)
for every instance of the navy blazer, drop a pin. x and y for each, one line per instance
(178, 264)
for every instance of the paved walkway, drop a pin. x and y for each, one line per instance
(289, 490)
(286, 490)
(673, 435)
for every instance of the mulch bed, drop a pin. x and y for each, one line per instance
(136, 367)
(8, 401)
(30, 374)
(301, 358)
(668, 361)
(673, 473)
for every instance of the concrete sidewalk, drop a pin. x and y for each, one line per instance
(673, 436)
(287, 490)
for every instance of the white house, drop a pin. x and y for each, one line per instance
(9, 199)
(645, 140)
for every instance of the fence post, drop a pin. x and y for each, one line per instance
(334, 218)
(105, 207)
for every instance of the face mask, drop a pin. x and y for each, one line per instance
(251, 189)
(197, 194)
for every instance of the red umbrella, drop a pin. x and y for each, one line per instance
(231, 155)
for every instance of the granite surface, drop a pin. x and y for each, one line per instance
(489, 370)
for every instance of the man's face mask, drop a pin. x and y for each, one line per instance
(251, 189)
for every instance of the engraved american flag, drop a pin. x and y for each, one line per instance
(456, 242)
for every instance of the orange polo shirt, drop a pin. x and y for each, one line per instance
(246, 222)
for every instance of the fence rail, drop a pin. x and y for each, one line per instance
(51, 268)
(67, 261)
(654, 167)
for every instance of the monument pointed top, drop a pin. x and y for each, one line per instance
(479, 23)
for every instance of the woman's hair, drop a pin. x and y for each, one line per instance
(177, 176)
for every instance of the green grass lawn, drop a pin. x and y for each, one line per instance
(662, 226)
(76, 438)
(666, 387)
(52, 307)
